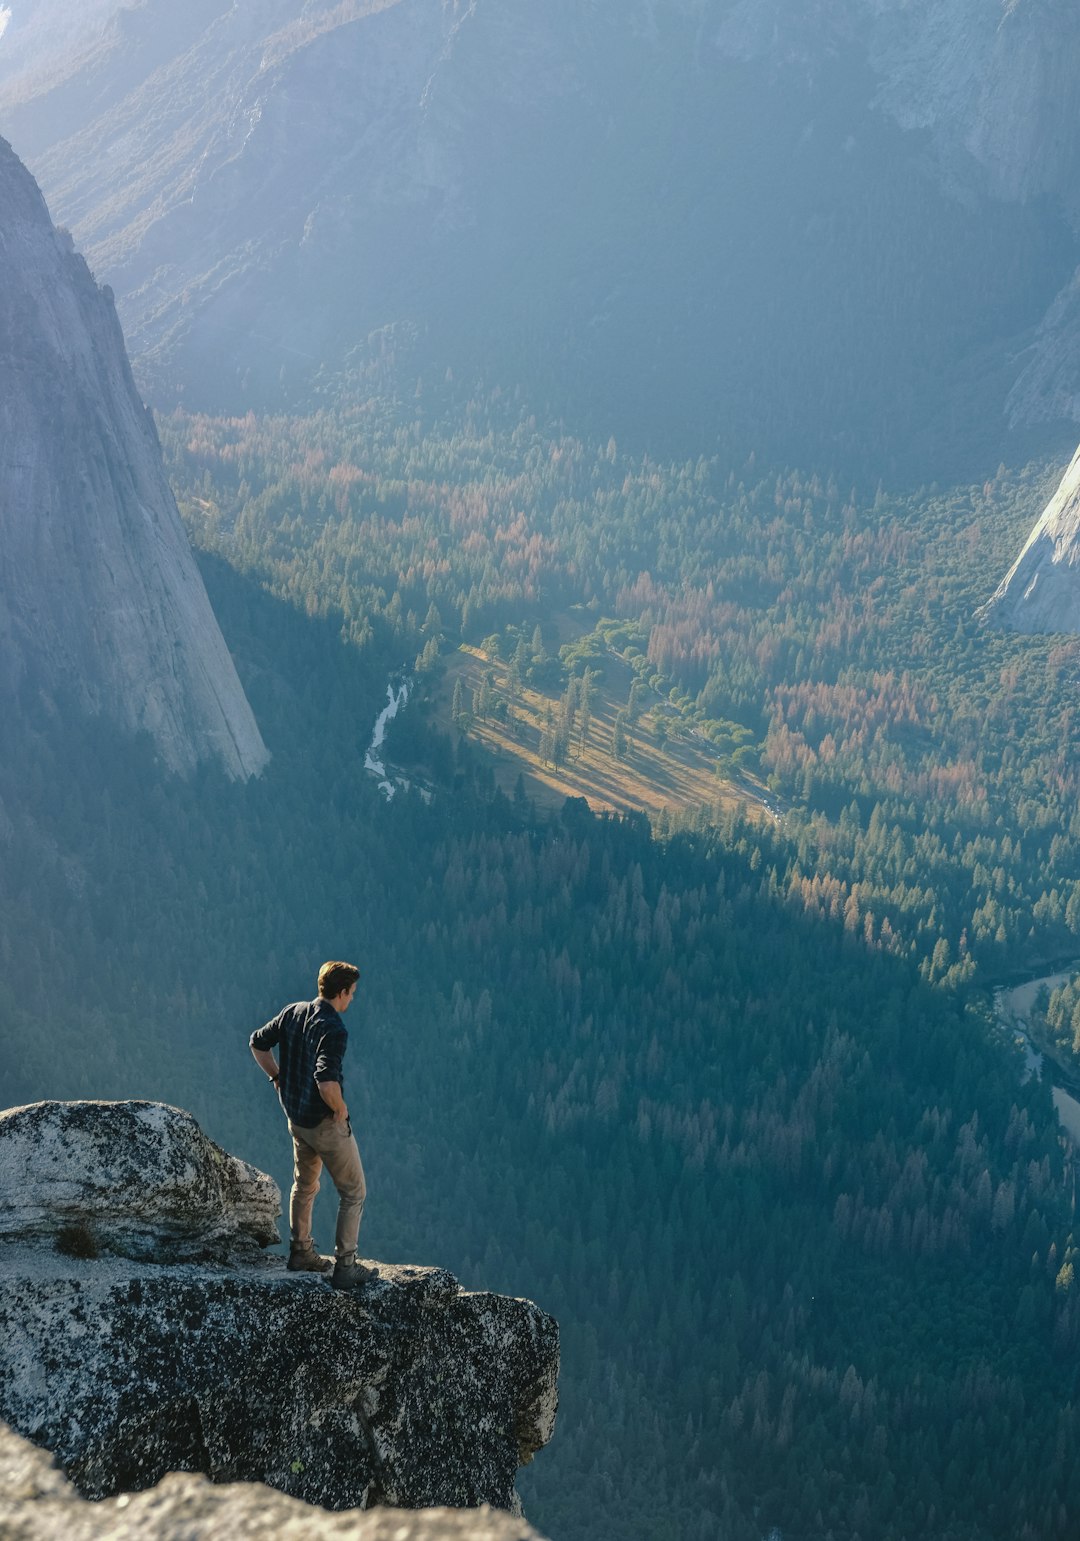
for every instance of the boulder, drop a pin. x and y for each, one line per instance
(134, 1179)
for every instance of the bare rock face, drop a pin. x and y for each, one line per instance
(128, 1365)
(1041, 590)
(39, 1505)
(101, 604)
(994, 83)
(1048, 387)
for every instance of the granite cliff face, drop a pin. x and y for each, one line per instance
(992, 82)
(101, 604)
(996, 86)
(1041, 590)
(128, 1363)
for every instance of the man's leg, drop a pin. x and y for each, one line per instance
(307, 1165)
(341, 1157)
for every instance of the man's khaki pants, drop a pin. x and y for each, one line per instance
(333, 1146)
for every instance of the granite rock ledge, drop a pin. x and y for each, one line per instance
(129, 1358)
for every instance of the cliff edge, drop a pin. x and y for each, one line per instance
(143, 1331)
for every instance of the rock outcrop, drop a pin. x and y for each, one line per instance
(101, 604)
(127, 1363)
(1041, 590)
(39, 1505)
(130, 1179)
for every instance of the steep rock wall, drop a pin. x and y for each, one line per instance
(101, 604)
(383, 187)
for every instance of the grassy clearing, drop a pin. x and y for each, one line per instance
(681, 774)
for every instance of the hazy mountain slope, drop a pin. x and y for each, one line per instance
(101, 604)
(676, 220)
(43, 32)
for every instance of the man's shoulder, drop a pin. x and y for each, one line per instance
(326, 1018)
(296, 1011)
(287, 1021)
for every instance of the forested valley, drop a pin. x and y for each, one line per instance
(723, 1094)
(824, 636)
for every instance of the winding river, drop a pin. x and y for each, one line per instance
(1014, 1005)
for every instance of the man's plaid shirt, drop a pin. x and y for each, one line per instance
(310, 1038)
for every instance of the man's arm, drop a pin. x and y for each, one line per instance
(266, 1061)
(330, 1092)
(328, 1075)
(262, 1040)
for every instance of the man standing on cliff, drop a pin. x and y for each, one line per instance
(310, 1038)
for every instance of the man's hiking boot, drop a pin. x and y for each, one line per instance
(348, 1273)
(306, 1260)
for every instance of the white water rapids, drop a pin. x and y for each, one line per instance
(373, 764)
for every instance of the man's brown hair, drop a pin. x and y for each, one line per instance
(334, 978)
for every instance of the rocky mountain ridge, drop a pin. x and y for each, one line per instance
(128, 1359)
(101, 605)
(600, 198)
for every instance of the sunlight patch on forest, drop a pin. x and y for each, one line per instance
(680, 775)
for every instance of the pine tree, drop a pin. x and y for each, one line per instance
(619, 743)
(585, 707)
(547, 740)
(484, 700)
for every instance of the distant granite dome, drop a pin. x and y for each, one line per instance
(1041, 590)
(101, 603)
